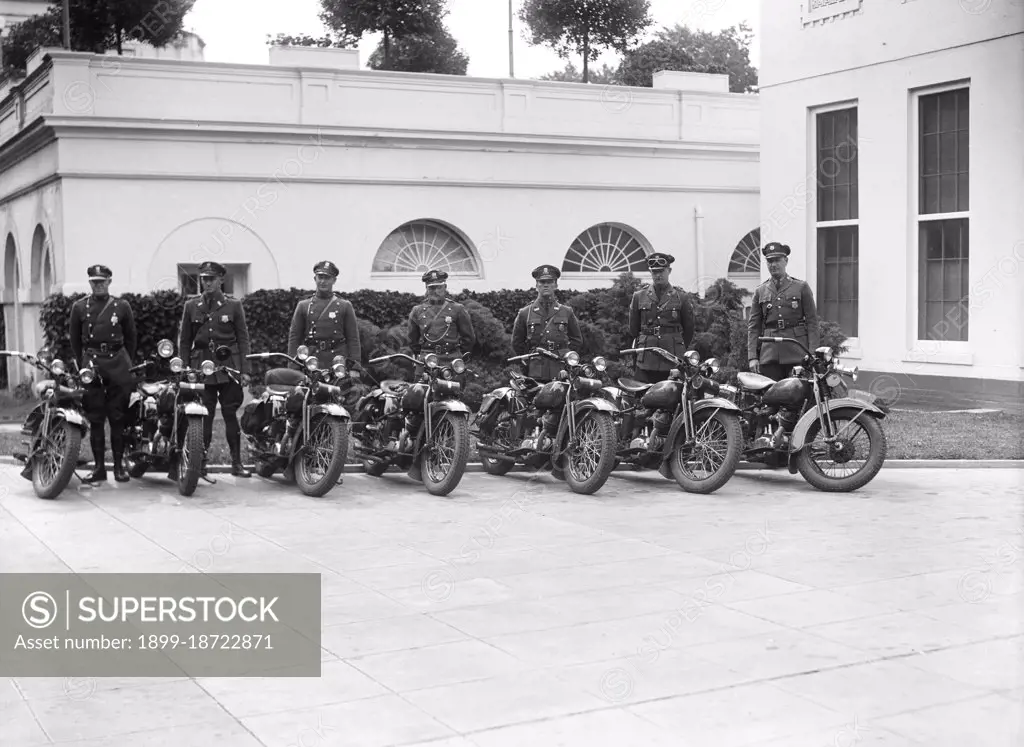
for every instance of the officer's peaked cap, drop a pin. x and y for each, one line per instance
(547, 272)
(775, 249)
(211, 268)
(327, 268)
(659, 260)
(434, 277)
(99, 272)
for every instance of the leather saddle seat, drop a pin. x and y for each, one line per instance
(283, 380)
(633, 386)
(753, 382)
(393, 387)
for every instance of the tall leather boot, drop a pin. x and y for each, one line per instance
(117, 449)
(237, 469)
(97, 437)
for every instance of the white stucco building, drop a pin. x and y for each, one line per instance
(893, 164)
(152, 166)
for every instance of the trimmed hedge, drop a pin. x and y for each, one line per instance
(721, 330)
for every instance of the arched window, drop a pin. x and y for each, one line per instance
(422, 245)
(606, 247)
(746, 257)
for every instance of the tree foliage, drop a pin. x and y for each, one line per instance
(683, 49)
(571, 74)
(96, 26)
(305, 40)
(585, 27)
(436, 52)
(392, 18)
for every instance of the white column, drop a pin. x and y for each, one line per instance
(698, 226)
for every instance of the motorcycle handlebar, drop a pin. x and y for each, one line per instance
(785, 339)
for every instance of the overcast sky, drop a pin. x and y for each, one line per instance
(236, 30)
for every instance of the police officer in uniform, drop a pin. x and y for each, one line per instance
(103, 337)
(782, 307)
(325, 322)
(660, 316)
(210, 320)
(546, 323)
(439, 324)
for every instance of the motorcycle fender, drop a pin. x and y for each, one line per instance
(450, 405)
(330, 409)
(714, 402)
(857, 406)
(593, 403)
(71, 416)
(375, 394)
(194, 408)
(134, 399)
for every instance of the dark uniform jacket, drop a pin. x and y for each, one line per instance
(784, 311)
(327, 326)
(554, 327)
(443, 328)
(208, 323)
(103, 335)
(666, 323)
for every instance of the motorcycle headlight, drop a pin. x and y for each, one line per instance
(191, 376)
(339, 370)
(177, 366)
(302, 352)
(798, 371)
(825, 353)
(312, 363)
(713, 365)
(430, 361)
(57, 367)
(692, 357)
(572, 358)
(446, 373)
(600, 363)
(207, 368)
(165, 348)
(458, 365)
(86, 375)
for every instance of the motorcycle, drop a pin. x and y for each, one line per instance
(421, 426)
(298, 426)
(149, 431)
(680, 425)
(810, 421)
(563, 424)
(56, 426)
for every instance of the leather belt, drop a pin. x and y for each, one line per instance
(780, 324)
(658, 329)
(322, 345)
(105, 348)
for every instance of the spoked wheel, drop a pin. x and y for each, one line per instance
(501, 440)
(592, 459)
(191, 456)
(444, 461)
(707, 464)
(56, 460)
(323, 456)
(850, 461)
(370, 440)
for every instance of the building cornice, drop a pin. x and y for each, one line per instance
(36, 136)
(68, 128)
(411, 182)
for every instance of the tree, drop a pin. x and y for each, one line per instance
(393, 18)
(570, 74)
(305, 40)
(680, 48)
(437, 52)
(96, 26)
(585, 27)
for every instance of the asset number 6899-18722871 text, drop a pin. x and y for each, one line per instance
(206, 642)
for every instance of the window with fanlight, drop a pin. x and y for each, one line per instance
(419, 246)
(606, 248)
(746, 257)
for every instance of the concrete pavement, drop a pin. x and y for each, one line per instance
(516, 612)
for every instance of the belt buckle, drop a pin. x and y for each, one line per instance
(780, 324)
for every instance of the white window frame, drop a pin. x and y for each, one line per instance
(949, 352)
(853, 343)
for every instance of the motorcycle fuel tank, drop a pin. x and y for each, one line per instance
(413, 397)
(787, 393)
(663, 396)
(551, 395)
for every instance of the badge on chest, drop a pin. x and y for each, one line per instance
(224, 318)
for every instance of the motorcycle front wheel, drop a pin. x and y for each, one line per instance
(850, 463)
(502, 439)
(589, 463)
(323, 457)
(444, 461)
(707, 464)
(56, 462)
(191, 456)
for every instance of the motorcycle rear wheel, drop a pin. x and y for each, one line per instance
(587, 468)
(444, 463)
(191, 457)
(725, 425)
(326, 447)
(815, 475)
(501, 439)
(61, 458)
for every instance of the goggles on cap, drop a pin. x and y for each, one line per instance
(656, 263)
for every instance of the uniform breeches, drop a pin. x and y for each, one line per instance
(777, 371)
(647, 376)
(103, 402)
(230, 396)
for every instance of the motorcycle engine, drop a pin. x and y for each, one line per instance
(413, 422)
(661, 420)
(549, 421)
(788, 419)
